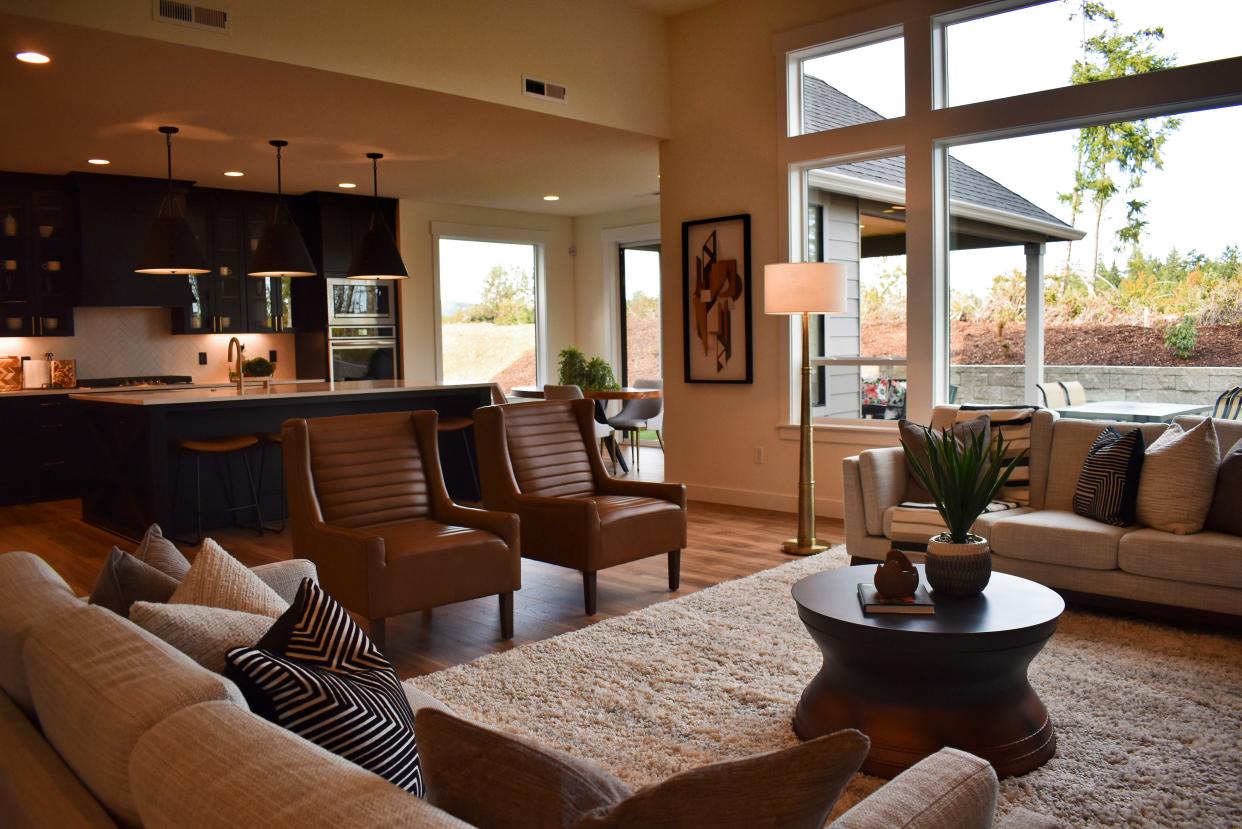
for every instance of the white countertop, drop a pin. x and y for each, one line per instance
(130, 389)
(165, 396)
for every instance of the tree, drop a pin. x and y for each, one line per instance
(507, 298)
(1127, 149)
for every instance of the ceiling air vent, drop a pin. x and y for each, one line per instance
(189, 14)
(546, 90)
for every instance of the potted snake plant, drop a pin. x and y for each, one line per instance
(963, 474)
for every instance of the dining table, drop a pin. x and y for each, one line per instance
(1134, 411)
(600, 396)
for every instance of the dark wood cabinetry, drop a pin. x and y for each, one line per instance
(42, 434)
(38, 260)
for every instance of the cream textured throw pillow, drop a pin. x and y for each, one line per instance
(1179, 477)
(205, 634)
(216, 579)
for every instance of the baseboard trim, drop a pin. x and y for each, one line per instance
(758, 499)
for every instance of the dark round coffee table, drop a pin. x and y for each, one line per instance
(915, 684)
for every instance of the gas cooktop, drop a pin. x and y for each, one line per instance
(147, 380)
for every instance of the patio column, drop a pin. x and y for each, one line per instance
(1034, 369)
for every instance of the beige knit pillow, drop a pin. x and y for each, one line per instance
(216, 579)
(205, 634)
(1178, 479)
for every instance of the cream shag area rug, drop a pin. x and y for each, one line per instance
(1148, 717)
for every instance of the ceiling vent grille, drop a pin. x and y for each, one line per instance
(548, 91)
(189, 14)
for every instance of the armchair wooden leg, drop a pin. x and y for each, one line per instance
(506, 615)
(588, 591)
(375, 629)
(674, 569)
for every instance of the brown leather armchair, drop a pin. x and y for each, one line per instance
(539, 461)
(367, 504)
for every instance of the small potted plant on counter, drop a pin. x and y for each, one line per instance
(963, 473)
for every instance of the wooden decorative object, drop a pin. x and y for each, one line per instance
(10, 374)
(896, 577)
(64, 374)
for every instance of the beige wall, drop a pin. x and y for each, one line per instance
(597, 307)
(418, 324)
(726, 106)
(477, 49)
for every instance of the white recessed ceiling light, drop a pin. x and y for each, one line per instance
(98, 161)
(234, 173)
(33, 57)
(346, 185)
(551, 197)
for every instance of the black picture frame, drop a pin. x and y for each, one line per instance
(707, 246)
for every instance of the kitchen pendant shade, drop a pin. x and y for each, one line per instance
(171, 248)
(377, 256)
(282, 252)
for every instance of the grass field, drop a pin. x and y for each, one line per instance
(480, 352)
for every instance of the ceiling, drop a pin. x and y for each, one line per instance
(104, 94)
(671, 8)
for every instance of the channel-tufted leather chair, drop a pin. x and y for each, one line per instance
(539, 460)
(367, 504)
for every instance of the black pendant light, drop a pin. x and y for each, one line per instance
(281, 250)
(171, 248)
(377, 256)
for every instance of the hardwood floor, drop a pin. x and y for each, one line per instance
(724, 543)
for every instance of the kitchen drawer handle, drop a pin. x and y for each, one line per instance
(52, 403)
(54, 463)
(51, 425)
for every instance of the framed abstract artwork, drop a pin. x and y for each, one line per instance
(716, 295)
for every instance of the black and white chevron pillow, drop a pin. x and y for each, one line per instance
(317, 674)
(1108, 484)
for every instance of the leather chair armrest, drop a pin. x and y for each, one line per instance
(644, 489)
(949, 788)
(504, 524)
(351, 563)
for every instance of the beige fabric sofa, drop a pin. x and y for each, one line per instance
(1048, 542)
(102, 724)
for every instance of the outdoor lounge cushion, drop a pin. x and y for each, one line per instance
(1058, 537)
(1201, 558)
(914, 523)
(1179, 476)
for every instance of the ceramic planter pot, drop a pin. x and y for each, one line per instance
(958, 569)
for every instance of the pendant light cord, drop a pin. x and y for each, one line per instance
(374, 178)
(168, 144)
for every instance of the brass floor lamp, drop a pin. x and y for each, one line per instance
(805, 288)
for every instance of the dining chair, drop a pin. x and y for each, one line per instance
(1053, 395)
(636, 416)
(368, 505)
(1229, 405)
(1074, 392)
(537, 462)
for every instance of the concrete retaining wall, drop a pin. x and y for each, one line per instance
(1152, 384)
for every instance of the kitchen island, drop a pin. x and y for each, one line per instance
(130, 444)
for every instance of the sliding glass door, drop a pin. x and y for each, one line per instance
(640, 313)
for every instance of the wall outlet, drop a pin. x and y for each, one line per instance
(758, 454)
(271, 355)
(202, 358)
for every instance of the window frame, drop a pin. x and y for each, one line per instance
(925, 133)
(537, 239)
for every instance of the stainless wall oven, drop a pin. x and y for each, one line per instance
(362, 352)
(353, 302)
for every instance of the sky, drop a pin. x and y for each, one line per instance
(1190, 200)
(465, 264)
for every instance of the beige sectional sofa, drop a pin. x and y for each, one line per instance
(102, 724)
(1048, 542)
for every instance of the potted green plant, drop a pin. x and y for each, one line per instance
(963, 474)
(574, 369)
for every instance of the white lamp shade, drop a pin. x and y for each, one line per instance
(804, 288)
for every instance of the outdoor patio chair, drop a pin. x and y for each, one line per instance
(1229, 405)
(1052, 395)
(1074, 392)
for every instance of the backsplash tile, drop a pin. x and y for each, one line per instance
(125, 342)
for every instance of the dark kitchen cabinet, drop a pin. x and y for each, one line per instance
(227, 300)
(38, 261)
(43, 438)
(113, 217)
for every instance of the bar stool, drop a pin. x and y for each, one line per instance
(267, 439)
(461, 423)
(222, 449)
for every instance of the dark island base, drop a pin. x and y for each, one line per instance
(911, 705)
(130, 453)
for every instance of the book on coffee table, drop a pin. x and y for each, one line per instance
(920, 604)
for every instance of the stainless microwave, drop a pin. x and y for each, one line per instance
(362, 302)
